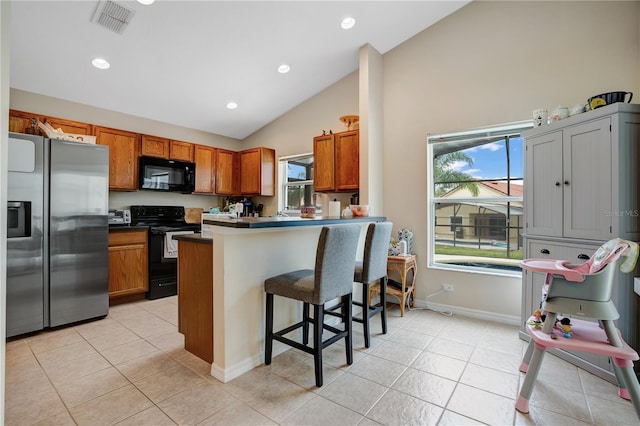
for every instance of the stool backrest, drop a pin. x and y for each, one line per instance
(376, 250)
(335, 257)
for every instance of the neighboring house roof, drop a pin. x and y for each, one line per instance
(516, 190)
(499, 187)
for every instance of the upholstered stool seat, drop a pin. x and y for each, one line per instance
(373, 267)
(331, 278)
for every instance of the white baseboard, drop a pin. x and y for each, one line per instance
(472, 313)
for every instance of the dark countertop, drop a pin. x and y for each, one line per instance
(121, 228)
(193, 238)
(277, 222)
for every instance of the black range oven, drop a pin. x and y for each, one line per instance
(162, 221)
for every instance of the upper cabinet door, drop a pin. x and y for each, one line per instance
(153, 146)
(544, 184)
(204, 158)
(69, 126)
(225, 172)
(123, 157)
(181, 151)
(257, 171)
(20, 122)
(324, 166)
(347, 162)
(588, 186)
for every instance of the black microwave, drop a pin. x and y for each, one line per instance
(159, 174)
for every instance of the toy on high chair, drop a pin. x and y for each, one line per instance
(582, 290)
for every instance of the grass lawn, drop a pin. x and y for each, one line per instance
(468, 251)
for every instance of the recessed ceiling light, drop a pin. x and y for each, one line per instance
(146, 2)
(284, 68)
(100, 63)
(232, 105)
(347, 23)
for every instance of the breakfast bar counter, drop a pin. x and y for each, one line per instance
(245, 252)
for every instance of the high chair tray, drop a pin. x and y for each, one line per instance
(586, 336)
(552, 266)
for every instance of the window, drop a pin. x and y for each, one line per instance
(296, 174)
(476, 199)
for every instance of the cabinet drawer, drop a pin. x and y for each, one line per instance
(127, 237)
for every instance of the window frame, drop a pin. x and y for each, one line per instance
(284, 184)
(464, 140)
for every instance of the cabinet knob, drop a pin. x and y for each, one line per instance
(545, 251)
(557, 183)
(583, 256)
(566, 182)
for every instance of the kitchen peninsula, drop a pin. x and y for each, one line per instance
(220, 284)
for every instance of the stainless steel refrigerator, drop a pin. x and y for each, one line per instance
(57, 233)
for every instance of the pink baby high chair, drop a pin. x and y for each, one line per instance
(581, 290)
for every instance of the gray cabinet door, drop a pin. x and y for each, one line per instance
(587, 181)
(543, 185)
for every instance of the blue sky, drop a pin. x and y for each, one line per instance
(490, 160)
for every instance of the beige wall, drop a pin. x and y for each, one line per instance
(489, 63)
(293, 132)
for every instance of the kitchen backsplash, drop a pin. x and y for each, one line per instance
(122, 200)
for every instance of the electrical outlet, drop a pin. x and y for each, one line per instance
(447, 287)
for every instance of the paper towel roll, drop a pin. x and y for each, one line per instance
(334, 208)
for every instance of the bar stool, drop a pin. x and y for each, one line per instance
(331, 278)
(373, 267)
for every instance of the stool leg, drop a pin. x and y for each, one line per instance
(318, 321)
(348, 326)
(383, 301)
(268, 333)
(365, 315)
(305, 325)
(522, 403)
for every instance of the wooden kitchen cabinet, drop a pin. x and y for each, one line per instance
(257, 171)
(69, 126)
(226, 173)
(337, 162)
(181, 151)
(195, 297)
(123, 157)
(128, 262)
(153, 146)
(204, 158)
(20, 121)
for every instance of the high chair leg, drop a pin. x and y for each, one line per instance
(522, 404)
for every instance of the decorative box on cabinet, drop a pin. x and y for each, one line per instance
(257, 171)
(69, 126)
(128, 263)
(204, 158)
(123, 157)
(336, 162)
(580, 191)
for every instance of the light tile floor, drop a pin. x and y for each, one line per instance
(131, 369)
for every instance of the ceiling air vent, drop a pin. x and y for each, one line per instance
(112, 15)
